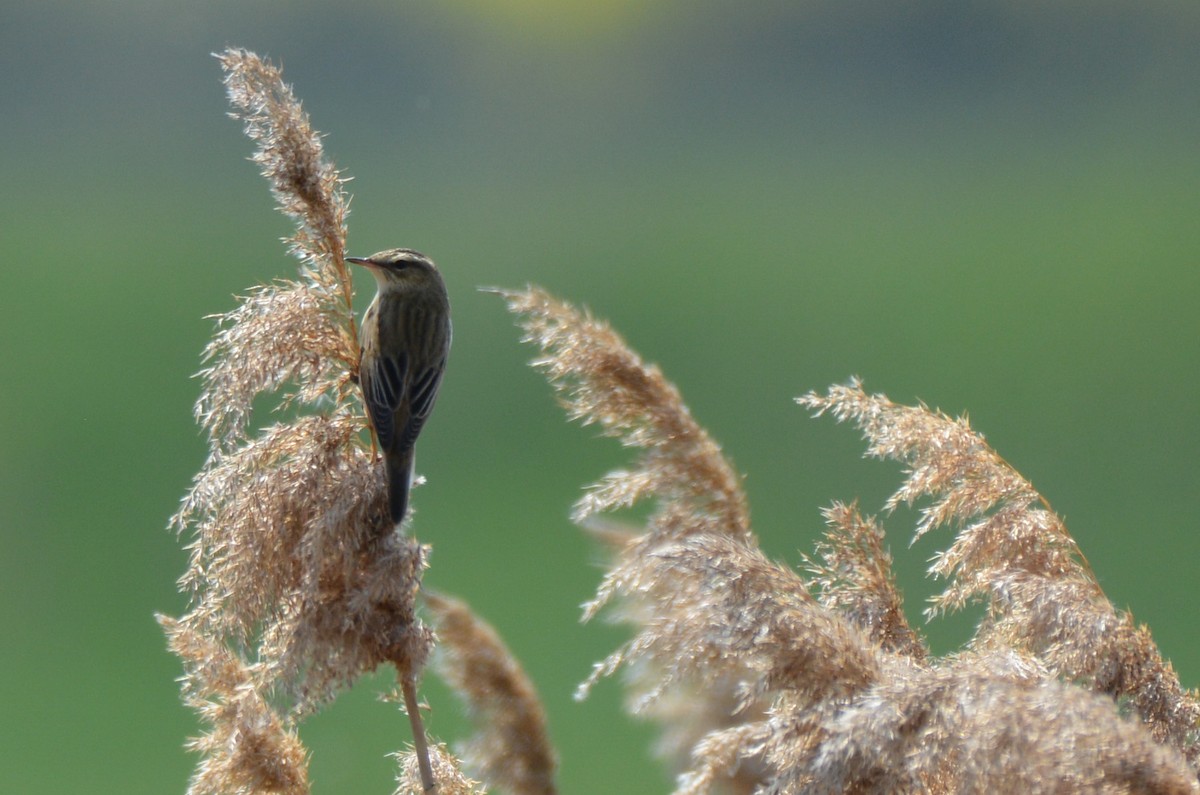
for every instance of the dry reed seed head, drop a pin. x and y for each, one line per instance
(974, 725)
(293, 552)
(691, 714)
(614, 536)
(1083, 636)
(1015, 538)
(293, 555)
(684, 710)
(854, 577)
(249, 748)
(719, 606)
(511, 749)
(729, 759)
(301, 487)
(601, 380)
(302, 331)
(291, 157)
(281, 334)
(945, 460)
(342, 629)
(1013, 551)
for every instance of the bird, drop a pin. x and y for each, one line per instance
(405, 338)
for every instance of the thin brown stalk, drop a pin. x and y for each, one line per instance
(412, 706)
(442, 766)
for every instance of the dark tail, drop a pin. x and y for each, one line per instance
(399, 475)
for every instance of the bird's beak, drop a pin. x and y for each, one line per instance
(358, 260)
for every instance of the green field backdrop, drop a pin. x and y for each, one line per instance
(990, 207)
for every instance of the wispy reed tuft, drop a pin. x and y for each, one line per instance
(248, 747)
(301, 332)
(854, 577)
(600, 380)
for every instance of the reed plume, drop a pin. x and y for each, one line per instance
(298, 582)
(1012, 552)
(511, 750)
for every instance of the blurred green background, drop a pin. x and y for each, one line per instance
(987, 206)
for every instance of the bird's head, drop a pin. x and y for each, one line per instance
(398, 266)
